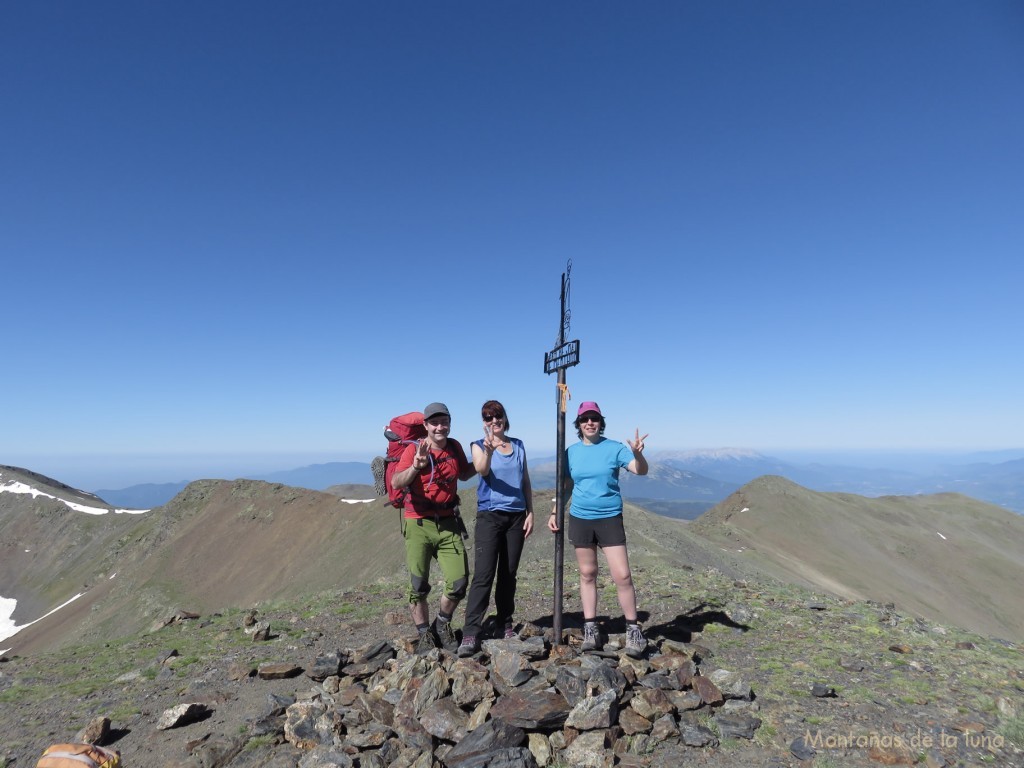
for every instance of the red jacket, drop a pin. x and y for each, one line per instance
(434, 491)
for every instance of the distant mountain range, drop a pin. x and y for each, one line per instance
(686, 483)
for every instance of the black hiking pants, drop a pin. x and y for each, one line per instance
(499, 541)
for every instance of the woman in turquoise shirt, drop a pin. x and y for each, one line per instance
(595, 520)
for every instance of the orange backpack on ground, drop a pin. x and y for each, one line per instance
(79, 756)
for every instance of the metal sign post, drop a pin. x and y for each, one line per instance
(564, 355)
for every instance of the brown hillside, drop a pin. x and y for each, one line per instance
(942, 556)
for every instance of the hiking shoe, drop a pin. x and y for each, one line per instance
(378, 467)
(468, 647)
(591, 638)
(635, 641)
(510, 633)
(446, 635)
(426, 643)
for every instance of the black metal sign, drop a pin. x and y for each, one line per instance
(561, 357)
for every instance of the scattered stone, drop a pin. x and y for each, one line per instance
(731, 684)
(325, 757)
(966, 646)
(211, 752)
(539, 747)
(892, 755)
(737, 725)
(652, 704)
(327, 665)
(96, 732)
(664, 728)
(181, 715)
(445, 720)
(969, 726)
(534, 710)
(238, 671)
(510, 667)
(411, 732)
(164, 657)
(470, 685)
(278, 671)
(587, 751)
(594, 712)
(697, 736)
(1006, 708)
(817, 606)
(821, 691)
(260, 631)
(708, 691)
(684, 701)
(852, 665)
(571, 683)
(801, 749)
(633, 722)
(492, 736)
(901, 648)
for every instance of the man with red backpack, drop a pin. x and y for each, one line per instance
(430, 471)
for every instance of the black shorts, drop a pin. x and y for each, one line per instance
(604, 532)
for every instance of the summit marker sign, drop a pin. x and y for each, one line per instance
(561, 357)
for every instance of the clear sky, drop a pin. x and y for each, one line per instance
(244, 232)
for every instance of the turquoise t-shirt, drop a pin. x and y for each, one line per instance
(594, 470)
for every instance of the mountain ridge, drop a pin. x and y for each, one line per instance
(703, 475)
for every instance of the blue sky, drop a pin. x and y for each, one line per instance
(241, 235)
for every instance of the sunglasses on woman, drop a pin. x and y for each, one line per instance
(493, 418)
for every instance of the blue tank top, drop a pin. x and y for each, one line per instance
(502, 489)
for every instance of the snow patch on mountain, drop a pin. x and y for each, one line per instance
(13, 486)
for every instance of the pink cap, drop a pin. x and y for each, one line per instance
(589, 405)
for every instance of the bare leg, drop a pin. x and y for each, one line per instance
(420, 612)
(618, 564)
(448, 605)
(586, 559)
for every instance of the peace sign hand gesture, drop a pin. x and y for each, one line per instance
(490, 442)
(422, 457)
(637, 444)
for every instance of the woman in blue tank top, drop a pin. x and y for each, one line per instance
(504, 519)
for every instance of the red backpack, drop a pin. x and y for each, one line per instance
(401, 431)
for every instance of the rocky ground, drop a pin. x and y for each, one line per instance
(739, 673)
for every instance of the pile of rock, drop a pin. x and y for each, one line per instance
(518, 703)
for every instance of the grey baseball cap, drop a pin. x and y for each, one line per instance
(435, 409)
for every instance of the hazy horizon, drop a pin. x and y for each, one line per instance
(113, 472)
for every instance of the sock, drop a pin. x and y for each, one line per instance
(442, 617)
(422, 628)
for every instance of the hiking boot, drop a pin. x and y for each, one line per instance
(635, 641)
(378, 467)
(510, 632)
(468, 647)
(426, 643)
(591, 638)
(446, 635)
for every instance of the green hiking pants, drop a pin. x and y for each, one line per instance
(439, 540)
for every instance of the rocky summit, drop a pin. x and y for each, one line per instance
(736, 673)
